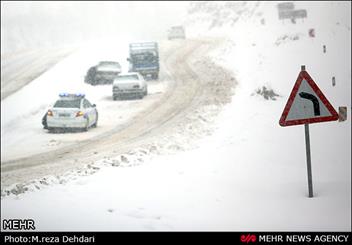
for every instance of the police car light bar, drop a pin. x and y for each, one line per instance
(80, 95)
(71, 95)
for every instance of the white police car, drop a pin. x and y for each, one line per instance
(72, 111)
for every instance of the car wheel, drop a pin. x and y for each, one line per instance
(96, 122)
(85, 129)
(155, 76)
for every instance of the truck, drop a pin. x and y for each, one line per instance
(144, 58)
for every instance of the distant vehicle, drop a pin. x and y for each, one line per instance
(176, 32)
(71, 111)
(103, 73)
(144, 58)
(129, 84)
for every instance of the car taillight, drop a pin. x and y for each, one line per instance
(50, 113)
(79, 114)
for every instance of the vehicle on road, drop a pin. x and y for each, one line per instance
(129, 84)
(144, 58)
(103, 73)
(176, 32)
(72, 111)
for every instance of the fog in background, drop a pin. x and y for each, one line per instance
(31, 25)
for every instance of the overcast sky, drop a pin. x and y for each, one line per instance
(29, 24)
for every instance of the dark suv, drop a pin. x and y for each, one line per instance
(103, 73)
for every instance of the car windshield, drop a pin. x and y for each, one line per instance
(143, 54)
(68, 103)
(109, 63)
(127, 77)
(107, 72)
(109, 67)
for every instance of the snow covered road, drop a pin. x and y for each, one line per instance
(185, 85)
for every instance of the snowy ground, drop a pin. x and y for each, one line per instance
(22, 134)
(250, 173)
(20, 68)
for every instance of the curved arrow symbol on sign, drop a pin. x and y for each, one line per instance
(314, 100)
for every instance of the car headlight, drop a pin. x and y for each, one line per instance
(136, 86)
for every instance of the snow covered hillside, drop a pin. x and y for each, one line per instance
(245, 172)
(34, 25)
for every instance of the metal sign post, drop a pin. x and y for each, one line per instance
(307, 104)
(309, 163)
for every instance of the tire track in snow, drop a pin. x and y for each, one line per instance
(188, 90)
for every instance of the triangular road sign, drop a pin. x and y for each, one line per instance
(307, 104)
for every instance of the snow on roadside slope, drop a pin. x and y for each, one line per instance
(282, 150)
(249, 175)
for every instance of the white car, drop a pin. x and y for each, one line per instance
(129, 84)
(72, 111)
(176, 32)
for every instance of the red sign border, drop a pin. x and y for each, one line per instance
(304, 75)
